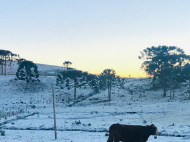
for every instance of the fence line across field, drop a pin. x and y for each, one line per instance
(8, 111)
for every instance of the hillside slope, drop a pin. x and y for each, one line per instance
(89, 120)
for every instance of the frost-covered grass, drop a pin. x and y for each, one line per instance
(89, 120)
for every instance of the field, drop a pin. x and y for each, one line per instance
(27, 115)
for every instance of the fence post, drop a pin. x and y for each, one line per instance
(55, 128)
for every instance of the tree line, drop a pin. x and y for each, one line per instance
(27, 70)
(73, 79)
(5, 56)
(70, 78)
(167, 65)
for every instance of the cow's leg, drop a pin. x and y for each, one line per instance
(116, 139)
(126, 141)
(110, 139)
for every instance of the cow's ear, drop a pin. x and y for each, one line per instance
(152, 125)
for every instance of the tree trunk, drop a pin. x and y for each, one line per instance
(10, 67)
(164, 91)
(173, 87)
(189, 89)
(26, 87)
(75, 90)
(108, 93)
(109, 90)
(2, 69)
(5, 66)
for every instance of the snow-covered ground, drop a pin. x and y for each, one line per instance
(27, 115)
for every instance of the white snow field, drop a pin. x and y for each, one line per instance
(27, 115)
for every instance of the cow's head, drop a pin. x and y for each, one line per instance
(153, 129)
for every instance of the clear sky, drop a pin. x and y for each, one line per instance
(93, 34)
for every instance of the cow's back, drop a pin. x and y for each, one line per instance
(136, 133)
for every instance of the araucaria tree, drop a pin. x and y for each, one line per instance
(20, 60)
(93, 82)
(27, 71)
(6, 55)
(67, 64)
(71, 79)
(163, 63)
(120, 82)
(107, 78)
(186, 75)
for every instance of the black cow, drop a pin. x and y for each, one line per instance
(131, 133)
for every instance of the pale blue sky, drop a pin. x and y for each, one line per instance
(93, 34)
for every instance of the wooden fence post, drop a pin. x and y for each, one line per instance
(55, 128)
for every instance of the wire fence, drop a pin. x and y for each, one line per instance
(8, 111)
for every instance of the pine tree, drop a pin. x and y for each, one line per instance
(160, 62)
(93, 82)
(27, 71)
(67, 64)
(186, 75)
(108, 78)
(71, 79)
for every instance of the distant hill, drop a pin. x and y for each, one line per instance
(42, 68)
